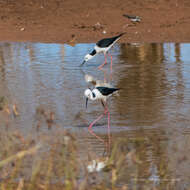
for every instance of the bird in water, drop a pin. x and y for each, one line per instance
(100, 92)
(103, 46)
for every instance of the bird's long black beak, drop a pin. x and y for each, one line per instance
(86, 102)
(82, 63)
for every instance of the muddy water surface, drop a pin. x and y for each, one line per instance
(153, 103)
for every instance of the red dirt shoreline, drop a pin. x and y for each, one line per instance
(74, 21)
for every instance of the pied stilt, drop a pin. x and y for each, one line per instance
(100, 93)
(103, 46)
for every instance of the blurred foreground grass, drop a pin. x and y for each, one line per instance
(54, 161)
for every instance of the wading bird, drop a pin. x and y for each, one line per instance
(100, 93)
(103, 46)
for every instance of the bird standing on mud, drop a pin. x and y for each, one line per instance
(103, 46)
(133, 18)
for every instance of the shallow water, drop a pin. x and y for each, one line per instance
(154, 79)
(153, 103)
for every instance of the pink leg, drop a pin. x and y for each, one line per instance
(100, 67)
(90, 128)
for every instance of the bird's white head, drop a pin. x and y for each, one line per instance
(88, 93)
(87, 57)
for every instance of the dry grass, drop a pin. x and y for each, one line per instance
(48, 162)
(54, 163)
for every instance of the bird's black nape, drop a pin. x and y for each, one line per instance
(93, 52)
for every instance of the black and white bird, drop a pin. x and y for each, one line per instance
(99, 93)
(133, 18)
(102, 46)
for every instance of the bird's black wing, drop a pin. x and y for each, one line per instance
(106, 42)
(107, 91)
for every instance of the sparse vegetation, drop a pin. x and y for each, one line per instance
(52, 159)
